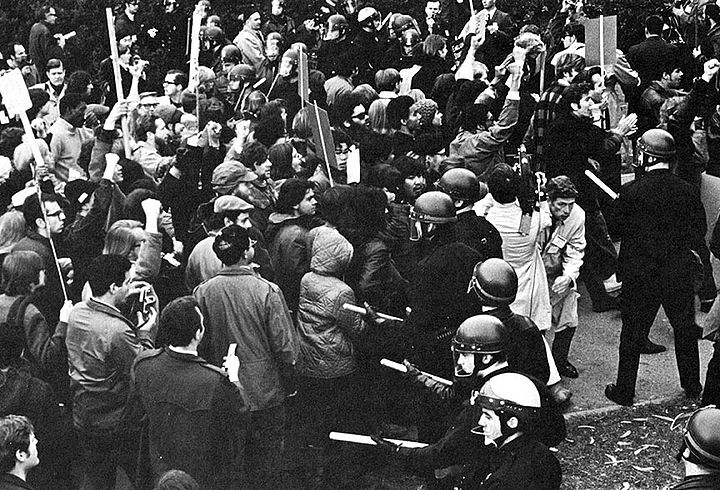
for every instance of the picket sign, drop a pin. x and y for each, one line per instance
(17, 101)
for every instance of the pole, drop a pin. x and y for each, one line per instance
(367, 440)
(362, 311)
(602, 52)
(115, 57)
(38, 162)
(322, 145)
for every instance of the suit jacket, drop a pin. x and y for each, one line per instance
(649, 57)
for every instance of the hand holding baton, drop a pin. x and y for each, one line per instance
(403, 369)
(362, 311)
(367, 440)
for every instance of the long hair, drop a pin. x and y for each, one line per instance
(122, 237)
(12, 229)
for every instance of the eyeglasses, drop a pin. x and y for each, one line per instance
(169, 82)
(362, 115)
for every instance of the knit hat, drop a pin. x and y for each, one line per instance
(78, 192)
(426, 109)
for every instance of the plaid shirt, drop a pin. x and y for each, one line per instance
(545, 114)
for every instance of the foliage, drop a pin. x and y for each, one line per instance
(90, 46)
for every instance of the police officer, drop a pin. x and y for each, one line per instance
(700, 451)
(479, 352)
(510, 407)
(664, 222)
(474, 231)
(438, 290)
(439, 299)
(495, 284)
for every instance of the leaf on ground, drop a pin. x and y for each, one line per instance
(662, 417)
(624, 443)
(586, 427)
(640, 419)
(613, 460)
(625, 434)
(644, 447)
(626, 486)
(571, 441)
(625, 422)
(592, 440)
(646, 469)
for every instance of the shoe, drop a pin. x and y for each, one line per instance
(568, 370)
(613, 394)
(650, 347)
(694, 393)
(607, 304)
(560, 394)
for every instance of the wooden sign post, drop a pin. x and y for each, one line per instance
(17, 101)
(115, 57)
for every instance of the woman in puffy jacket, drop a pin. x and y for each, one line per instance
(329, 386)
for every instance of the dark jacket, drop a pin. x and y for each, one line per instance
(663, 220)
(440, 301)
(477, 233)
(699, 482)
(102, 345)
(197, 417)
(287, 244)
(520, 464)
(569, 156)
(526, 351)
(12, 482)
(51, 299)
(649, 58)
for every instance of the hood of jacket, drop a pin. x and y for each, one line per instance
(331, 252)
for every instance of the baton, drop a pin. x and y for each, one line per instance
(403, 369)
(613, 195)
(367, 440)
(362, 311)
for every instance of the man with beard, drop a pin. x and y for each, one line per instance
(250, 40)
(68, 138)
(18, 58)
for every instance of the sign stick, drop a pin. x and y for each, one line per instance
(322, 145)
(115, 57)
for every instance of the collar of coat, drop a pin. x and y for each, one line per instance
(237, 270)
(96, 305)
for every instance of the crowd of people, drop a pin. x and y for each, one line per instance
(178, 259)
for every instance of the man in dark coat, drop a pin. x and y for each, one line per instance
(197, 415)
(664, 224)
(572, 157)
